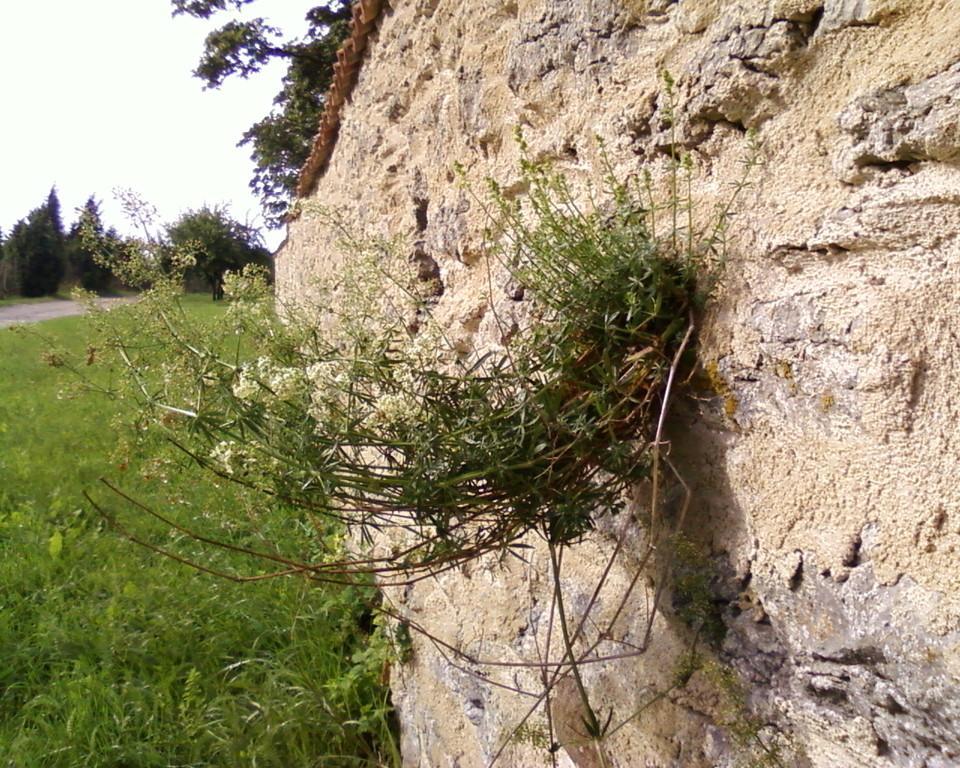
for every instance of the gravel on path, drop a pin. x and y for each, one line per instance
(48, 310)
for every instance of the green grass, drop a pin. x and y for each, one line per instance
(113, 656)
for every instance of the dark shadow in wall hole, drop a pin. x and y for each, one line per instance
(421, 207)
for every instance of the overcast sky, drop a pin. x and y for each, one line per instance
(98, 94)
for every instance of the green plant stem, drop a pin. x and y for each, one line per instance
(590, 718)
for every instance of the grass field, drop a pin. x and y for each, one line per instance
(113, 656)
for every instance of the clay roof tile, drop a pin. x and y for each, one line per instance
(349, 58)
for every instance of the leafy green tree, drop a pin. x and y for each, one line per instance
(280, 143)
(89, 246)
(36, 246)
(218, 244)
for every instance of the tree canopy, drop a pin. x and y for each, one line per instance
(280, 142)
(218, 244)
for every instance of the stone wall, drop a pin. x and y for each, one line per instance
(825, 465)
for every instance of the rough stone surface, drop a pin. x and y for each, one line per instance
(896, 127)
(825, 466)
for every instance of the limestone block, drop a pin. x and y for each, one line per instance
(895, 127)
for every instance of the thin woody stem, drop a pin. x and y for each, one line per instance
(555, 561)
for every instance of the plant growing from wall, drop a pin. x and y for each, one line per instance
(382, 429)
(360, 417)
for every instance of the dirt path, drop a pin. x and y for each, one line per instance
(48, 310)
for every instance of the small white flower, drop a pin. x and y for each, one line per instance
(285, 383)
(246, 387)
(396, 409)
(224, 455)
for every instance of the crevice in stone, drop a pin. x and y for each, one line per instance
(883, 747)
(918, 382)
(813, 24)
(427, 268)
(878, 164)
(420, 211)
(893, 706)
(835, 696)
(866, 656)
(515, 290)
(851, 558)
(939, 519)
(796, 578)
(860, 24)
(717, 120)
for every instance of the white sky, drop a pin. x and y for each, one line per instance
(98, 94)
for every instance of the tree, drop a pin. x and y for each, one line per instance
(218, 244)
(52, 207)
(90, 246)
(8, 273)
(9, 266)
(36, 247)
(282, 140)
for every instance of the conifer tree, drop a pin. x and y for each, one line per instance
(37, 246)
(6, 269)
(86, 246)
(14, 246)
(52, 207)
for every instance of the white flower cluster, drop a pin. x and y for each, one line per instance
(249, 283)
(181, 259)
(328, 374)
(250, 301)
(430, 347)
(227, 456)
(397, 409)
(327, 381)
(395, 400)
(264, 376)
(238, 458)
(246, 387)
(401, 402)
